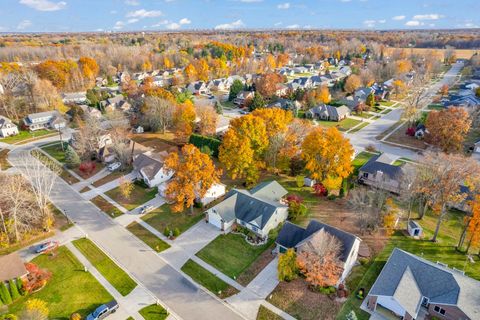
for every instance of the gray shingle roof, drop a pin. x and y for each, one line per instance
(255, 206)
(376, 163)
(291, 235)
(441, 285)
(149, 163)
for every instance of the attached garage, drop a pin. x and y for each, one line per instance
(215, 219)
(391, 304)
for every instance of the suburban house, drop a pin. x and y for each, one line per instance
(330, 113)
(219, 85)
(243, 97)
(216, 191)
(259, 209)
(117, 102)
(379, 172)
(7, 127)
(294, 236)
(281, 89)
(87, 112)
(198, 87)
(12, 267)
(74, 97)
(285, 104)
(411, 287)
(363, 93)
(44, 120)
(148, 167)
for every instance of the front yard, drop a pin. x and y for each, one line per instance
(118, 278)
(208, 280)
(139, 196)
(153, 312)
(343, 125)
(146, 236)
(163, 217)
(63, 173)
(109, 178)
(106, 207)
(400, 137)
(231, 254)
(70, 289)
(26, 136)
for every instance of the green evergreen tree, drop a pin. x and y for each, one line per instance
(72, 160)
(235, 89)
(257, 102)
(5, 294)
(218, 107)
(13, 290)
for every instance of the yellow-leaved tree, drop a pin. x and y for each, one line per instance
(328, 156)
(194, 174)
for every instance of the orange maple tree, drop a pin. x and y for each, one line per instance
(448, 128)
(194, 174)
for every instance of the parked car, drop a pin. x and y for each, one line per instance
(46, 246)
(146, 209)
(113, 166)
(244, 112)
(103, 311)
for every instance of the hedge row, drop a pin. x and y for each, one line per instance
(201, 141)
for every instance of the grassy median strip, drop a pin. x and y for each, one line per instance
(146, 236)
(208, 279)
(118, 278)
(64, 174)
(154, 312)
(265, 314)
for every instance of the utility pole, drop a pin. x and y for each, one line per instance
(61, 142)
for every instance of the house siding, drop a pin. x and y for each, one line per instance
(451, 312)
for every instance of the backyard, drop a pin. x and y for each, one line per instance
(70, 289)
(106, 206)
(146, 236)
(139, 195)
(208, 280)
(118, 278)
(231, 254)
(163, 217)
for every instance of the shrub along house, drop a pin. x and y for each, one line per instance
(259, 209)
(410, 287)
(294, 236)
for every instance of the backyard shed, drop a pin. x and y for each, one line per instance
(414, 229)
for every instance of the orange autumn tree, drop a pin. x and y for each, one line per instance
(208, 120)
(473, 229)
(183, 120)
(194, 174)
(327, 154)
(448, 128)
(318, 259)
(352, 83)
(323, 94)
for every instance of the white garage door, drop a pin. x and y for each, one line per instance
(215, 219)
(391, 304)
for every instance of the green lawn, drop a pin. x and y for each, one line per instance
(106, 207)
(231, 254)
(55, 151)
(146, 236)
(208, 279)
(139, 196)
(436, 107)
(26, 135)
(164, 217)
(387, 103)
(443, 251)
(343, 125)
(364, 115)
(154, 312)
(265, 314)
(386, 111)
(70, 289)
(118, 278)
(363, 125)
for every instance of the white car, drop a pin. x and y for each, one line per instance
(146, 209)
(113, 166)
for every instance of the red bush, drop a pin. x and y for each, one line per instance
(294, 198)
(87, 167)
(36, 278)
(410, 132)
(320, 190)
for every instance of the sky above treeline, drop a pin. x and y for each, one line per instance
(135, 15)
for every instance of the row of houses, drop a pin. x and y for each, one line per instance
(36, 121)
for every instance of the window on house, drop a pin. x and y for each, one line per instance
(365, 174)
(439, 310)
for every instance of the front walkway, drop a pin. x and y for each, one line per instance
(107, 186)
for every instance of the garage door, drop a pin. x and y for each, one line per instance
(215, 219)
